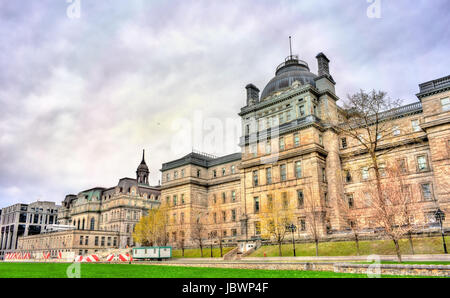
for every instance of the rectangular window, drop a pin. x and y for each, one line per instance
(298, 169)
(302, 224)
(415, 125)
(256, 204)
(296, 139)
(223, 171)
(396, 131)
(426, 192)
(86, 240)
(285, 200)
(198, 173)
(182, 173)
(233, 169)
(344, 143)
(175, 175)
(269, 175)
(301, 110)
(300, 199)
(233, 196)
(224, 198)
(215, 173)
(281, 140)
(103, 241)
(81, 240)
(350, 201)
(268, 147)
(365, 173)
(224, 216)
(167, 177)
(233, 232)
(255, 178)
(348, 176)
(422, 163)
(257, 228)
(402, 165)
(96, 241)
(445, 102)
(233, 215)
(269, 202)
(182, 199)
(175, 200)
(283, 172)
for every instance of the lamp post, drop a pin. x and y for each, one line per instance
(292, 228)
(440, 217)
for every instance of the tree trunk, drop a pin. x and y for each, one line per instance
(317, 247)
(279, 249)
(201, 251)
(357, 244)
(411, 244)
(221, 249)
(182, 251)
(397, 250)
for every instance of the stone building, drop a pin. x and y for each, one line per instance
(23, 220)
(101, 217)
(291, 151)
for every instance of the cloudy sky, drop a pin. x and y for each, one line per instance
(81, 97)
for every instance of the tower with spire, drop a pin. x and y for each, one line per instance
(142, 171)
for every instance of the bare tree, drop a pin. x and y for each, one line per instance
(350, 216)
(181, 243)
(274, 218)
(217, 219)
(391, 210)
(314, 219)
(198, 231)
(368, 120)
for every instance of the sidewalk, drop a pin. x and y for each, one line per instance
(406, 258)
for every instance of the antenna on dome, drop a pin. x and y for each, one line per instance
(290, 46)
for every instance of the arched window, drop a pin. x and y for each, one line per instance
(82, 226)
(92, 227)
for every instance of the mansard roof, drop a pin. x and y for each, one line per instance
(201, 159)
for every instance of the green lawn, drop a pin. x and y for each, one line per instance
(58, 270)
(432, 245)
(195, 253)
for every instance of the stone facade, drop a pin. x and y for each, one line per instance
(290, 150)
(80, 242)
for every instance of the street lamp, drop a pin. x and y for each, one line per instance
(292, 228)
(440, 217)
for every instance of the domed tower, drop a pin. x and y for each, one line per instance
(142, 171)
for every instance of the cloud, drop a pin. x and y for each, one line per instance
(81, 97)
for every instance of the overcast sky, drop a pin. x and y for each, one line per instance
(81, 97)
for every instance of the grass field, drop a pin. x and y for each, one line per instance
(195, 253)
(58, 270)
(432, 245)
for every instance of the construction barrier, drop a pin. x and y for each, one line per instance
(92, 258)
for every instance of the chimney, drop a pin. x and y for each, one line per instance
(322, 62)
(252, 94)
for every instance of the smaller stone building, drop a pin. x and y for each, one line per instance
(81, 242)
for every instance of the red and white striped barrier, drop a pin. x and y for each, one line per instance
(110, 257)
(59, 255)
(46, 255)
(125, 258)
(79, 259)
(92, 258)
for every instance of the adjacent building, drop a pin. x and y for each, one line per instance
(100, 218)
(25, 220)
(290, 150)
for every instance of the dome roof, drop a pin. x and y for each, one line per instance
(287, 73)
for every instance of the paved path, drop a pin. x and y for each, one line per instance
(418, 258)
